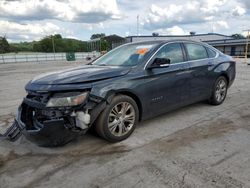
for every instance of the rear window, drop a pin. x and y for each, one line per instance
(211, 53)
(196, 51)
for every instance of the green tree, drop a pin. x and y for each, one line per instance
(61, 44)
(97, 35)
(37, 47)
(238, 36)
(21, 47)
(44, 45)
(4, 45)
(58, 36)
(105, 45)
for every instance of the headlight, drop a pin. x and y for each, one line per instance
(67, 101)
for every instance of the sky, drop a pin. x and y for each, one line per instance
(28, 20)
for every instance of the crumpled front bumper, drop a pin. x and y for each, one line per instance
(13, 132)
(48, 133)
(51, 130)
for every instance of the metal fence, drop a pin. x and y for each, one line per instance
(237, 53)
(42, 57)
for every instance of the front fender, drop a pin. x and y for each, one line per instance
(107, 91)
(109, 87)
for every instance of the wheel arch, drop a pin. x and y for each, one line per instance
(224, 74)
(225, 69)
(134, 97)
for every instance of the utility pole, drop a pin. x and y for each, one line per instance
(212, 29)
(138, 17)
(247, 43)
(53, 45)
(100, 45)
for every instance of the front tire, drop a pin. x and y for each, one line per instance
(219, 91)
(118, 120)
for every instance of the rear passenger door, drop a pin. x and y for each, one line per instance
(200, 63)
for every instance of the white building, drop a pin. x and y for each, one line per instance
(224, 43)
(195, 37)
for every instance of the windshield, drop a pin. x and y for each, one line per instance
(127, 55)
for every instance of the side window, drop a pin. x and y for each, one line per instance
(171, 51)
(211, 53)
(196, 51)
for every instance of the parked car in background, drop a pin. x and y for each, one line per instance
(129, 84)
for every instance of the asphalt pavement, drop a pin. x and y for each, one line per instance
(196, 146)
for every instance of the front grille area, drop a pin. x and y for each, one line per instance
(32, 108)
(39, 97)
(34, 112)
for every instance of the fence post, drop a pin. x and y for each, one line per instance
(36, 57)
(3, 59)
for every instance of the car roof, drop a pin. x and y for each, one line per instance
(165, 41)
(159, 43)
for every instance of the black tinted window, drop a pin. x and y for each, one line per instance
(211, 53)
(172, 52)
(196, 51)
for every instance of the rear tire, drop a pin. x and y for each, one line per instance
(118, 120)
(219, 91)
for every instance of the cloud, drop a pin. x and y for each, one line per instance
(238, 11)
(168, 15)
(83, 11)
(72, 37)
(33, 19)
(212, 6)
(222, 24)
(17, 32)
(94, 26)
(175, 30)
(162, 17)
(246, 3)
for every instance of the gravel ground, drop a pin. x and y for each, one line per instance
(196, 146)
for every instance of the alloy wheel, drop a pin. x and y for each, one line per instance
(121, 119)
(221, 89)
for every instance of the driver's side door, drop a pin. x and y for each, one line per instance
(167, 86)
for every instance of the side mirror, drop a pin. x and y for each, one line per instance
(160, 63)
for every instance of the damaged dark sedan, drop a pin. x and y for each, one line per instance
(131, 83)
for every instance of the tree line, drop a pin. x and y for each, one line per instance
(56, 43)
(53, 43)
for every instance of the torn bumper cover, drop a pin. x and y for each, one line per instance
(13, 132)
(53, 126)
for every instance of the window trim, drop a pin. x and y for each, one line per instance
(183, 43)
(207, 48)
